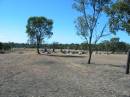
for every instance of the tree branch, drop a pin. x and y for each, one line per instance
(102, 34)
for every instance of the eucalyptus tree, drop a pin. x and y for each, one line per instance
(119, 16)
(88, 23)
(39, 28)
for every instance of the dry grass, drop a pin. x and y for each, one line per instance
(27, 74)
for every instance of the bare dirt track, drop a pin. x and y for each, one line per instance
(26, 74)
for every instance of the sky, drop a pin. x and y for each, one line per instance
(15, 13)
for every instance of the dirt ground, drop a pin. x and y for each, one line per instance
(26, 74)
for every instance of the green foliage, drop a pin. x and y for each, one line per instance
(119, 16)
(114, 45)
(1, 46)
(39, 28)
(5, 47)
(86, 24)
(88, 21)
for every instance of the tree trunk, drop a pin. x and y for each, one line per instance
(128, 63)
(61, 50)
(38, 52)
(53, 50)
(38, 44)
(45, 50)
(90, 47)
(90, 53)
(90, 56)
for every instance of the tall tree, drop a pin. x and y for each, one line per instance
(88, 22)
(39, 28)
(119, 19)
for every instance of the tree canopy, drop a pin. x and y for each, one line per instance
(39, 28)
(86, 24)
(119, 16)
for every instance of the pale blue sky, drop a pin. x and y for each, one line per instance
(14, 15)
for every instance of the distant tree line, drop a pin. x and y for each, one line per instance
(114, 45)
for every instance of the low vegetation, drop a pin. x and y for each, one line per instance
(4, 47)
(112, 46)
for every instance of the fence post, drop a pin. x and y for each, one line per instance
(128, 63)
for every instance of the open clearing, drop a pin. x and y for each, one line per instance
(26, 74)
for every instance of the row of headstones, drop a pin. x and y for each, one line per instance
(81, 52)
(64, 51)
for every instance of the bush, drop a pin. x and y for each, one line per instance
(4, 47)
